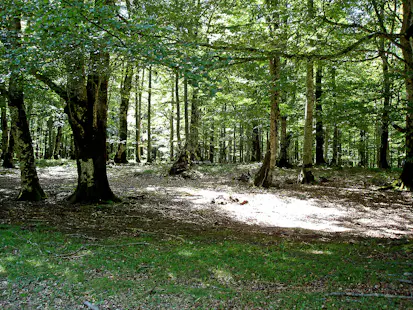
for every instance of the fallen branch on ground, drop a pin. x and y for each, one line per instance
(84, 247)
(90, 305)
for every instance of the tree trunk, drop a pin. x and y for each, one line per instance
(149, 150)
(49, 145)
(362, 149)
(306, 176)
(256, 146)
(212, 142)
(4, 126)
(58, 143)
(384, 137)
(186, 104)
(264, 177)
(285, 143)
(171, 124)
(319, 116)
(8, 160)
(406, 43)
(30, 186)
(178, 110)
(138, 115)
(121, 154)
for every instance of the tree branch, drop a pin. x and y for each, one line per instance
(60, 91)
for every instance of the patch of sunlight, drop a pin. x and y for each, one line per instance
(2, 269)
(223, 275)
(318, 252)
(35, 262)
(186, 253)
(152, 188)
(10, 258)
(171, 276)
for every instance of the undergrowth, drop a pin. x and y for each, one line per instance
(41, 267)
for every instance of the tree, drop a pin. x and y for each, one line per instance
(123, 114)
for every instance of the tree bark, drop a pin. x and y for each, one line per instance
(138, 115)
(30, 186)
(171, 124)
(264, 177)
(4, 126)
(186, 104)
(285, 143)
(178, 110)
(362, 149)
(319, 117)
(121, 154)
(407, 50)
(58, 143)
(256, 146)
(306, 176)
(149, 149)
(8, 160)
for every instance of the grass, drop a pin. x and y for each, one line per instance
(40, 266)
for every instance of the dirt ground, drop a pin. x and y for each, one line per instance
(342, 204)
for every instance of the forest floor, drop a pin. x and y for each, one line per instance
(345, 218)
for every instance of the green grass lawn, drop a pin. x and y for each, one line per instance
(41, 267)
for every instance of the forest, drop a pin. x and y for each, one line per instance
(206, 154)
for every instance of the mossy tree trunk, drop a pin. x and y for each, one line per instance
(30, 186)
(125, 91)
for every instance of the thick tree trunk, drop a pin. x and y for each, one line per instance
(138, 115)
(319, 158)
(406, 42)
(121, 154)
(264, 177)
(306, 176)
(30, 186)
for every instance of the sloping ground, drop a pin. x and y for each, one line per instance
(347, 203)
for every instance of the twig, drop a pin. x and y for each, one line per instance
(90, 305)
(370, 295)
(405, 281)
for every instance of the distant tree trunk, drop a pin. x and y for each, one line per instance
(306, 176)
(264, 176)
(171, 124)
(326, 137)
(285, 143)
(212, 142)
(256, 146)
(4, 126)
(186, 104)
(120, 156)
(57, 144)
(241, 143)
(319, 116)
(178, 110)
(334, 160)
(149, 150)
(191, 151)
(30, 186)
(362, 149)
(384, 138)
(138, 115)
(8, 160)
(49, 145)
